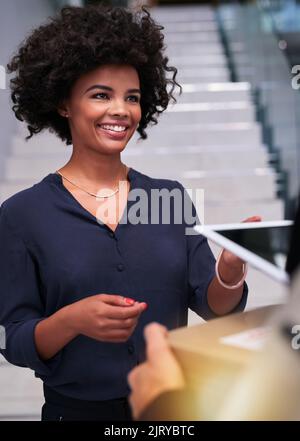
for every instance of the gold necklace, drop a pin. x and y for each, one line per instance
(88, 192)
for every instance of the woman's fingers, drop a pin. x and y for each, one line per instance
(121, 313)
(122, 324)
(116, 300)
(119, 307)
(231, 258)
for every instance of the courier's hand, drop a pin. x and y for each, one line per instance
(159, 373)
(105, 317)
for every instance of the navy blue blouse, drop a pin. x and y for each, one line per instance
(53, 252)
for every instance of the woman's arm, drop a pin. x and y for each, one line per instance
(104, 317)
(220, 299)
(54, 333)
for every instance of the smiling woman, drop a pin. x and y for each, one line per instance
(96, 118)
(75, 307)
(77, 41)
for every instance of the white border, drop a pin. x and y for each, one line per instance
(210, 232)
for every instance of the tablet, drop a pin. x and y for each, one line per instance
(264, 245)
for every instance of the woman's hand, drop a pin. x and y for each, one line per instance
(105, 317)
(226, 289)
(231, 260)
(159, 373)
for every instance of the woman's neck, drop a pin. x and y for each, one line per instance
(105, 171)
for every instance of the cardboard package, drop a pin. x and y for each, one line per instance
(214, 354)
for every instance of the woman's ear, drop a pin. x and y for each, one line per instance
(62, 110)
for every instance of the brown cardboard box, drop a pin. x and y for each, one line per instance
(211, 366)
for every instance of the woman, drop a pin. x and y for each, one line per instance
(79, 286)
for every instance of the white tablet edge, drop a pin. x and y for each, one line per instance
(250, 257)
(247, 225)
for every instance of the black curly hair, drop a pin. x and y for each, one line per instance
(76, 41)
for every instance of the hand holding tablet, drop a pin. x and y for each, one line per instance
(234, 263)
(264, 245)
(230, 258)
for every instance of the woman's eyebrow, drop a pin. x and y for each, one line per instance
(100, 86)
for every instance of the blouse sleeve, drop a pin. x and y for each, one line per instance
(201, 269)
(21, 306)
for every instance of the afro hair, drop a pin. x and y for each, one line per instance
(76, 41)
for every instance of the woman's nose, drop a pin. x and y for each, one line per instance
(118, 107)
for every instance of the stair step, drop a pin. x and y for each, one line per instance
(206, 134)
(202, 75)
(194, 49)
(204, 160)
(192, 61)
(186, 26)
(206, 113)
(239, 187)
(213, 97)
(32, 168)
(227, 212)
(173, 15)
(21, 393)
(192, 37)
(145, 161)
(214, 93)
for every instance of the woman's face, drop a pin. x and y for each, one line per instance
(104, 108)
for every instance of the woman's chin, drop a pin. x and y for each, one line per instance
(108, 148)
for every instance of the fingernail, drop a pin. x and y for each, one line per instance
(129, 301)
(145, 305)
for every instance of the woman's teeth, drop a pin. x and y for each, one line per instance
(113, 128)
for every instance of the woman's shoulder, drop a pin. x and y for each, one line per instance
(26, 200)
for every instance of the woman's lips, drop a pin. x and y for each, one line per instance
(111, 133)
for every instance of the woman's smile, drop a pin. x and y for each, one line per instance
(113, 132)
(104, 109)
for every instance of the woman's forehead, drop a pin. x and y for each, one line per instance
(115, 76)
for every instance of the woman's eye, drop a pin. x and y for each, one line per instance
(101, 95)
(135, 98)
